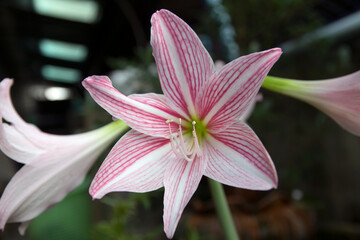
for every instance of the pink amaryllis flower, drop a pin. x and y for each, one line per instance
(190, 131)
(337, 97)
(54, 165)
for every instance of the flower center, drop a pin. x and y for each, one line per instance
(189, 147)
(200, 129)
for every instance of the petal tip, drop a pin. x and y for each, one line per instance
(8, 80)
(23, 227)
(155, 15)
(90, 78)
(169, 232)
(87, 80)
(162, 14)
(95, 79)
(274, 184)
(159, 12)
(94, 194)
(2, 223)
(276, 51)
(6, 83)
(169, 235)
(272, 54)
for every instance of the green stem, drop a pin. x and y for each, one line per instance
(298, 89)
(280, 85)
(223, 210)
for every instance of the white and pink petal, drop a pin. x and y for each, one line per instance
(183, 63)
(231, 90)
(147, 113)
(136, 163)
(38, 186)
(181, 181)
(236, 157)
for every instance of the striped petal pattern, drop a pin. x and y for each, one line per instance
(236, 157)
(136, 163)
(232, 89)
(181, 180)
(183, 63)
(149, 119)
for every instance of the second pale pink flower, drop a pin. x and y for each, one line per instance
(54, 165)
(337, 97)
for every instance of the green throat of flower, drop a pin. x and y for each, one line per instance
(186, 144)
(200, 129)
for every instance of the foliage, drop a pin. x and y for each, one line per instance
(124, 209)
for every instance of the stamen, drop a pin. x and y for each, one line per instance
(173, 138)
(178, 144)
(182, 142)
(175, 150)
(183, 153)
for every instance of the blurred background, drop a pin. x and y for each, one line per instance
(49, 46)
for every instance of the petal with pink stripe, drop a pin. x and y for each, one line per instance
(237, 157)
(143, 113)
(183, 63)
(181, 181)
(136, 163)
(231, 90)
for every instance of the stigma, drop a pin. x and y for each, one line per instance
(187, 150)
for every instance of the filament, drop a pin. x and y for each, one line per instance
(178, 143)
